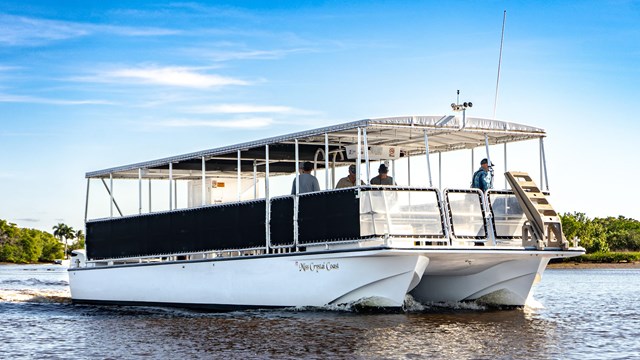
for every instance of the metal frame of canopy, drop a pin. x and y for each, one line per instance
(281, 155)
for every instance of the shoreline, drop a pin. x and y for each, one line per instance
(593, 265)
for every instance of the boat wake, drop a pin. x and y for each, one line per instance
(413, 306)
(410, 306)
(34, 282)
(35, 296)
(533, 304)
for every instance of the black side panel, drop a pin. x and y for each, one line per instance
(233, 226)
(282, 221)
(328, 216)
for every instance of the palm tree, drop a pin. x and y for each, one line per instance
(64, 232)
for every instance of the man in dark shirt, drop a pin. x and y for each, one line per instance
(308, 182)
(382, 178)
(483, 177)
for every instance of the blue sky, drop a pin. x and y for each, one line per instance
(91, 85)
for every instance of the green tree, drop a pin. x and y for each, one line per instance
(79, 243)
(52, 249)
(64, 232)
(591, 233)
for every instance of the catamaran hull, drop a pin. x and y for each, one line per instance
(381, 277)
(502, 278)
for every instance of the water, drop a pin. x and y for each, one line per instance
(577, 314)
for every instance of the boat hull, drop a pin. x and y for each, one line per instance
(501, 278)
(381, 277)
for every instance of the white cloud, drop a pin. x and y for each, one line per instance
(250, 54)
(248, 123)
(239, 109)
(171, 76)
(20, 30)
(38, 100)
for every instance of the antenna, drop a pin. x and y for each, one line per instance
(495, 101)
(462, 107)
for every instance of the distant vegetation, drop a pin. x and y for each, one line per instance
(18, 245)
(602, 235)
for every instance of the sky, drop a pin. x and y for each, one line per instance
(89, 85)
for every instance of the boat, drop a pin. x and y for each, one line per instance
(231, 241)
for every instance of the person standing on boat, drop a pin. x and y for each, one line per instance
(383, 178)
(349, 180)
(308, 182)
(483, 177)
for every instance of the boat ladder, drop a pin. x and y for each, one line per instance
(543, 223)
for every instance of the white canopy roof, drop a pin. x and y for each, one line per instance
(445, 133)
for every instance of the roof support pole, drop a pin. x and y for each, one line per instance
(473, 161)
(540, 161)
(408, 169)
(149, 195)
(393, 169)
(139, 191)
(297, 154)
(255, 179)
(440, 171)
(505, 164)
(267, 200)
(170, 186)
(113, 201)
(544, 163)
(366, 156)
(111, 194)
(203, 193)
(426, 147)
(326, 161)
(86, 204)
(175, 193)
(486, 145)
(333, 170)
(358, 160)
(239, 182)
(296, 198)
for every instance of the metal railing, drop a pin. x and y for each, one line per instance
(466, 212)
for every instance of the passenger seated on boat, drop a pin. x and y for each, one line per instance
(349, 180)
(307, 182)
(382, 178)
(483, 178)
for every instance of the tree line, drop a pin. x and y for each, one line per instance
(602, 235)
(22, 245)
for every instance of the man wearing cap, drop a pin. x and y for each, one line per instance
(350, 180)
(308, 182)
(483, 177)
(383, 178)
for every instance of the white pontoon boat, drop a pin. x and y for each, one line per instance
(234, 245)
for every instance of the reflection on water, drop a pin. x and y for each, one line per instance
(585, 314)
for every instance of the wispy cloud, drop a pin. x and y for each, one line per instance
(7, 98)
(247, 109)
(33, 220)
(8, 68)
(247, 123)
(239, 109)
(227, 55)
(169, 76)
(21, 31)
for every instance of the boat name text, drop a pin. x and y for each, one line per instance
(317, 267)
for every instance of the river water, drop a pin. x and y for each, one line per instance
(576, 314)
